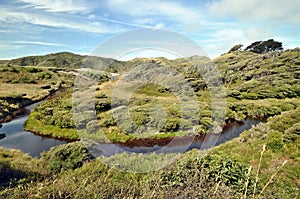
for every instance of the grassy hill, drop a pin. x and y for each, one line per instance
(261, 163)
(255, 85)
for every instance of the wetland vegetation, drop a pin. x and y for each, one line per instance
(262, 162)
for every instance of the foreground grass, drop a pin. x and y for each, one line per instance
(18, 169)
(262, 162)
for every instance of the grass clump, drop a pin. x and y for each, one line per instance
(64, 157)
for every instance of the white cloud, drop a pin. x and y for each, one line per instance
(8, 50)
(221, 41)
(136, 8)
(10, 46)
(70, 6)
(58, 21)
(4, 31)
(256, 10)
(147, 53)
(91, 17)
(37, 43)
(258, 34)
(159, 25)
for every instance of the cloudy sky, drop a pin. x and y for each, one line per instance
(34, 27)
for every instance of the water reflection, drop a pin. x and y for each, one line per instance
(211, 140)
(17, 138)
(13, 136)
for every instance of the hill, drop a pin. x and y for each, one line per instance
(261, 162)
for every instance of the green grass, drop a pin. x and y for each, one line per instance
(260, 86)
(18, 169)
(247, 149)
(21, 86)
(37, 127)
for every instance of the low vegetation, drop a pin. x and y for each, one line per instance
(21, 86)
(256, 85)
(261, 163)
(267, 167)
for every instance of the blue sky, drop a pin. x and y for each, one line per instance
(34, 27)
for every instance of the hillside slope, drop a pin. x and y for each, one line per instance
(262, 86)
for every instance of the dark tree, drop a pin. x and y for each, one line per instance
(235, 48)
(264, 46)
(253, 46)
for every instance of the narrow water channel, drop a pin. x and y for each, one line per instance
(179, 145)
(15, 137)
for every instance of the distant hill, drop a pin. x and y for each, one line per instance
(63, 59)
(247, 75)
(71, 60)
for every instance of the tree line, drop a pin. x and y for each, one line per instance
(260, 46)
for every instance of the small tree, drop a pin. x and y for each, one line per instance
(235, 48)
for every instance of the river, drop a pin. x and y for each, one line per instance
(15, 137)
(175, 145)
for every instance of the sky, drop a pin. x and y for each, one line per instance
(37, 27)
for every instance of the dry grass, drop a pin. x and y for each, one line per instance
(32, 91)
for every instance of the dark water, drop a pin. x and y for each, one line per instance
(178, 145)
(17, 138)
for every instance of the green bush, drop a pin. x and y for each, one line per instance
(140, 117)
(107, 122)
(206, 122)
(44, 75)
(284, 122)
(67, 156)
(32, 69)
(171, 125)
(27, 80)
(275, 142)
(213, 168)
(63, 119)
(292, 134)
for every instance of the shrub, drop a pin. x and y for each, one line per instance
(283, 122)
(172, 124)
(292, 133)
(44, 75)
(67, 156)
(32, 69)
(63, 119)
(27, 80)
(109, 121)
(212, 168)
(275, 142)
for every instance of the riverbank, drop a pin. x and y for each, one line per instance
(17, 105)
(13, 136)
(21, 86)
(131, 141)
(200, 171)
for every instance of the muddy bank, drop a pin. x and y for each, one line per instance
(233, 128)
(10, 116)
(16, 106)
